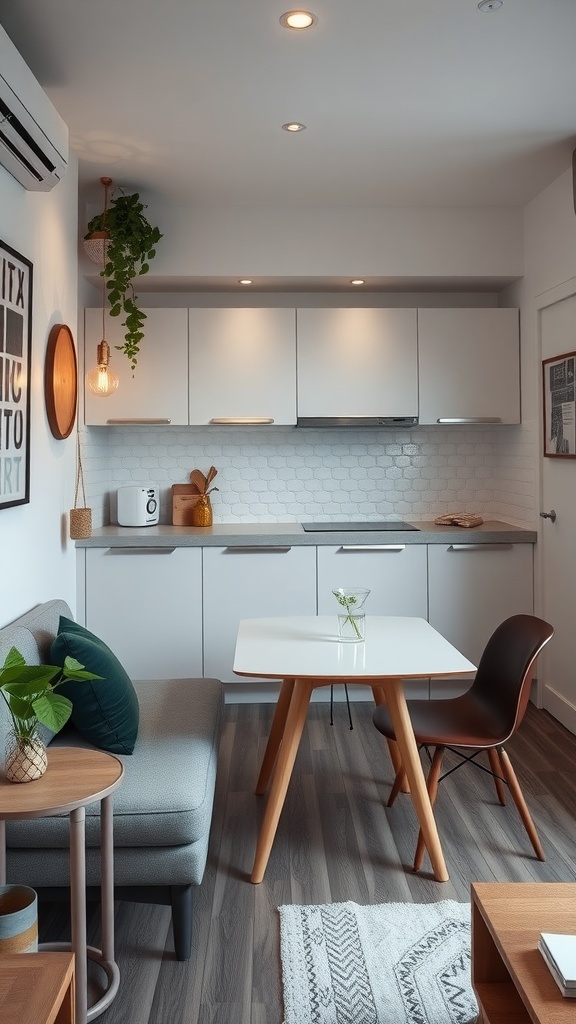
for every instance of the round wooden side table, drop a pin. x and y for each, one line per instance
(74, 779)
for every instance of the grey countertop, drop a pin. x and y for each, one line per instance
(283, 534)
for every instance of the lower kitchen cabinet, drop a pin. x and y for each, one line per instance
(472, 588)
(247, 583)
(395, 574)
(146, 604)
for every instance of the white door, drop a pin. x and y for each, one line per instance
(557, 540)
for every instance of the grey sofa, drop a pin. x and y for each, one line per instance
(163, 808)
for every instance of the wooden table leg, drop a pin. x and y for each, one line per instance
(295, 720)
(276, 734)
(411, 761)
(380, 698)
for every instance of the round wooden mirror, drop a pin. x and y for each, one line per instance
(61, 381)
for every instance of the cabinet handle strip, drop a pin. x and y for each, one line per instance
(257, 549)
(372, 547)
(469, 419)
(479, 547)
(142, 550)
(141, 420)
(242, 420)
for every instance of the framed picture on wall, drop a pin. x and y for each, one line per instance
(559, 407)
(15, 372)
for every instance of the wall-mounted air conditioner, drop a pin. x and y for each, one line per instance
(33, 136)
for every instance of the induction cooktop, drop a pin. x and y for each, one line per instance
(386, 526)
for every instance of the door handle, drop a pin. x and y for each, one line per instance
(549, 515)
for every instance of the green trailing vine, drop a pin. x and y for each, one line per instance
(131, 245)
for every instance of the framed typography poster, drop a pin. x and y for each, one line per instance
(559, 406)
(15, 367)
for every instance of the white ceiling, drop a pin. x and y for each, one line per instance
(407, 103)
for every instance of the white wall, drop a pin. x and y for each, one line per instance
(37, 561)
(313, 242)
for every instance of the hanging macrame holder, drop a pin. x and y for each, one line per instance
(80, 518)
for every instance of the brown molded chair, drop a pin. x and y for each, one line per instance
(483, 718)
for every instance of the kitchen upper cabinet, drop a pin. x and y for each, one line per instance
(157, 390)
(146, 604)
(247, 583)
(469, 365)
(242, 365)
(395, 574)
(357, 362)
(472, 588)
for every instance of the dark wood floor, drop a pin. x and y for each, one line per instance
(336, 841)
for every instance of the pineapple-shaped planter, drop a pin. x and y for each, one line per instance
(202, 509)
(26, 758)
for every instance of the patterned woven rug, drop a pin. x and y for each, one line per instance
(395, 963)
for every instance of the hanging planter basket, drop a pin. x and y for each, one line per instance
(122, 242)
(96, 247)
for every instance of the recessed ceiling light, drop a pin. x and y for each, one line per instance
(293, 126)
(490, 5)
(357, 280)
(298, 19)
(245, 280)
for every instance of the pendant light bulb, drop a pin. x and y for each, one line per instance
(102, 380)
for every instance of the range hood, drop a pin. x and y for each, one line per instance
(357, 421)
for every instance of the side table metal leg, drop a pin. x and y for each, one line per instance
(107, 876)
(105, 956)
(78, 909)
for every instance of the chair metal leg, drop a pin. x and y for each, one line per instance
(432, 786)
(497, 771)
(517, 796)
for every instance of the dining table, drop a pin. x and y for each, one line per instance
(305, 652)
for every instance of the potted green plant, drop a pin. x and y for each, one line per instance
(29, 692)
(128, 246)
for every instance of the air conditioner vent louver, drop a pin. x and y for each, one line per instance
(33, 137)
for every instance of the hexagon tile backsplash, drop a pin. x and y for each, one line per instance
(281, 474)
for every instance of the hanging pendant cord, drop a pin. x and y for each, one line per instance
(106, 183)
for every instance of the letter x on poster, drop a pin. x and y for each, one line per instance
(15, 367)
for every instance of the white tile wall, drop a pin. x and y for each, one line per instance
(277, 474)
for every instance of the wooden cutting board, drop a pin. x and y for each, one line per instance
(184, 497)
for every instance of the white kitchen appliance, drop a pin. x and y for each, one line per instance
(138, 506)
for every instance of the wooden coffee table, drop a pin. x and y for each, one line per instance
(512, 983)
(74, 779)
(37, 987)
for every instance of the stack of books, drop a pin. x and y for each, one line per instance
(559, 952)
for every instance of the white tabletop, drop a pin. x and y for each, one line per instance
(308, 647)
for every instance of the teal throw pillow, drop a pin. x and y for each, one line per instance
(104, 711)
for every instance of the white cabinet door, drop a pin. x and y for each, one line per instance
(242, 365)
(157, 390)
(146, 604)
(395, 574)
(247, 583)
(357, 362)
(469, 365)
(472, 588)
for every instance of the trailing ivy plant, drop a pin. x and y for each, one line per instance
(129, 250)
